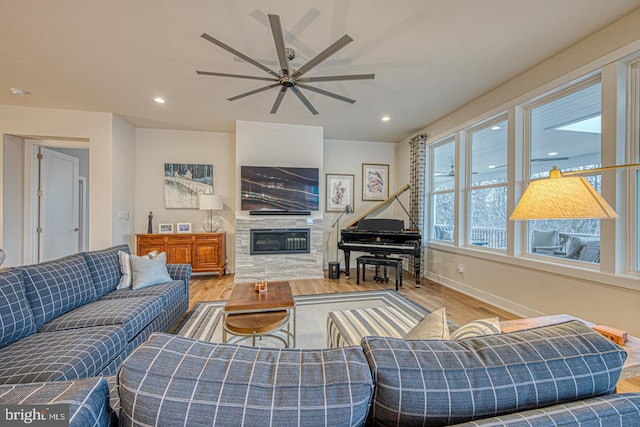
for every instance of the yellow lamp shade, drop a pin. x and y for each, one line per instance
(562, 198)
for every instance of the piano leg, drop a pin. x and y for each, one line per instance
(416, 264)
(347, 253)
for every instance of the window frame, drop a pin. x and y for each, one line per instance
(523, 228)
(468, 188)
(450, 139)
(633, 144)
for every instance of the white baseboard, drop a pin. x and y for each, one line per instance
(503, 303)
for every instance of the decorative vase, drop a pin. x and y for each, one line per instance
(150, 226)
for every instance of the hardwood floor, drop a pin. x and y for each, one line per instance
(461, 308)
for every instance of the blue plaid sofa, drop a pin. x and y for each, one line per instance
(559, 375)
(64, 320)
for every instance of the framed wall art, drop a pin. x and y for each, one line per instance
(339, 189)
(165, 228)
(183, 182)
(184, 227)
(375, 181)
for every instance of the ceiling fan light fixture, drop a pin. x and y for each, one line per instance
(19, 92)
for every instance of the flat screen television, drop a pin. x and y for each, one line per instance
(279, 188)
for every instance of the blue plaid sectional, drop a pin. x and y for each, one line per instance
(449, 382)
(176, 381)
(560, 375)
(87, 399)
(68, 337)
(64, 320)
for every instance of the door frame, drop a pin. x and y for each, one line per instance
(31, 176)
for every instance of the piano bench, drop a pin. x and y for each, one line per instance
(384, 262)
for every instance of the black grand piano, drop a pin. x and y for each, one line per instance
(382, 236)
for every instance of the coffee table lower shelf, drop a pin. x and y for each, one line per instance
(258, 325)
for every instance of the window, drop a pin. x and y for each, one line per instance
(564, 131)
(634, 94)
(488, 189)
(443, 171)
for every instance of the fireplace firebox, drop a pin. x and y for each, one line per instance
(280, 241)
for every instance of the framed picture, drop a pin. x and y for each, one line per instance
(375, 182)
(165, 228)
(183, 182)
(184, 227)
(339, 191)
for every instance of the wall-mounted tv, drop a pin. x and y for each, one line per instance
(279, 188)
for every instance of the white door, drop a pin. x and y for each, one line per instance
(59, 205)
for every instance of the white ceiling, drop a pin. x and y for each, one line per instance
(429, 57)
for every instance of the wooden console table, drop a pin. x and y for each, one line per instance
(631, 367)
(206, 252)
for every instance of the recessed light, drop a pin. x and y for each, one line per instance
(492, 166)
(159, 100)
(495, 128)
(20, 92)
(553, 153)
(385, 118)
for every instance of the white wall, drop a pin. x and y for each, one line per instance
(346, 157)
(274, 144)
(154, 148)
(123, 182)
(12, 191)
(532, 287)
(53, 124)
(262, 144)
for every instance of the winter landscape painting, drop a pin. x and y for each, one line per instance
(184, 182)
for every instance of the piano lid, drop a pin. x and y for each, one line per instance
(379, 207)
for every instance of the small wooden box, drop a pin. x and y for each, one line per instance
(618, 336)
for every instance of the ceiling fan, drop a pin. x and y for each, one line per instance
(452, 172)
(287, 77)
(538, 160)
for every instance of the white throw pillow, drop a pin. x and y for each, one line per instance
(147, 272)
(125, 268)
(433, 327)
(477, 328)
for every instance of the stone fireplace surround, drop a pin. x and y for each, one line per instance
(251, 268)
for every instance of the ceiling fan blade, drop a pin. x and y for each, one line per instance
(549, 159)
(304, 100)
(278, 100)
(339, 44)
(278, 38)
(327, 93)
(238, 76)
(297, 28)
(242, 95)
(337, 78)
(239, 54)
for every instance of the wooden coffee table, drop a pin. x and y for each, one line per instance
(253, 314)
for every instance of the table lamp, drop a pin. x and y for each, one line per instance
(562, 196)
(210, 203)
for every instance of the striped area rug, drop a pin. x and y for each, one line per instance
(203, 323)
